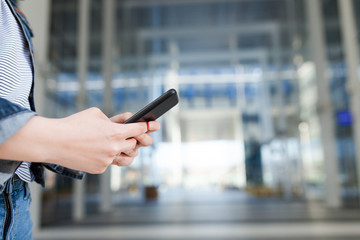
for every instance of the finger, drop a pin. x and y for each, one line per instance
(143, 140)
(153, 126)
(132, 153)
(125, 131)
(123, 161)
(129, 145)
(120, 118)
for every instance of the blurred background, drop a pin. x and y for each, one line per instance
(263, 144)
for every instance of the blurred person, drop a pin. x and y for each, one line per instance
(87, 141)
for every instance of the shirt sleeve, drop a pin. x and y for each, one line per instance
(12, 118)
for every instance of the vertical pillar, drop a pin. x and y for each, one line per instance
(83, 53)
(107, 48)
(238, 122)
(349, 36)
(291, 18)
(324, 106)
(172, 120)
(38, 15)
(282, 124)
(267, 126)
(282, 118)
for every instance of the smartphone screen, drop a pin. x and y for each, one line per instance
(156, 108)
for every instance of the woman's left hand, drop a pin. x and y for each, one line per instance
(144, 140)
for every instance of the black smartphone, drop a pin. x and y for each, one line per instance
(156, 108)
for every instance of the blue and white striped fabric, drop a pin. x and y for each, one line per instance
(15, 68)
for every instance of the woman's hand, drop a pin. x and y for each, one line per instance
(143, 140)
(87, 141)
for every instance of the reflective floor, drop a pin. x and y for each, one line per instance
(294, 231)
(213, 215)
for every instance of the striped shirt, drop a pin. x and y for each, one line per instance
(15, 69)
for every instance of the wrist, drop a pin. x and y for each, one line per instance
(31, 142)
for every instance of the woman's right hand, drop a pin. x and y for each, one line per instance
(86, 141)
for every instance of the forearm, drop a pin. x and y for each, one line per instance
(32, 142)
(12, 118)
(86, 141)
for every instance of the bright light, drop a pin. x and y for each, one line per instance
(202, 163)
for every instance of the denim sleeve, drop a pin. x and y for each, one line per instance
(12, 118)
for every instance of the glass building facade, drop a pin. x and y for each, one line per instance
(248, 116)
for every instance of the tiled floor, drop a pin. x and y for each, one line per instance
(210, 215)
(252, 231)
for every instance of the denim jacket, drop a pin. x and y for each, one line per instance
(13, 117)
